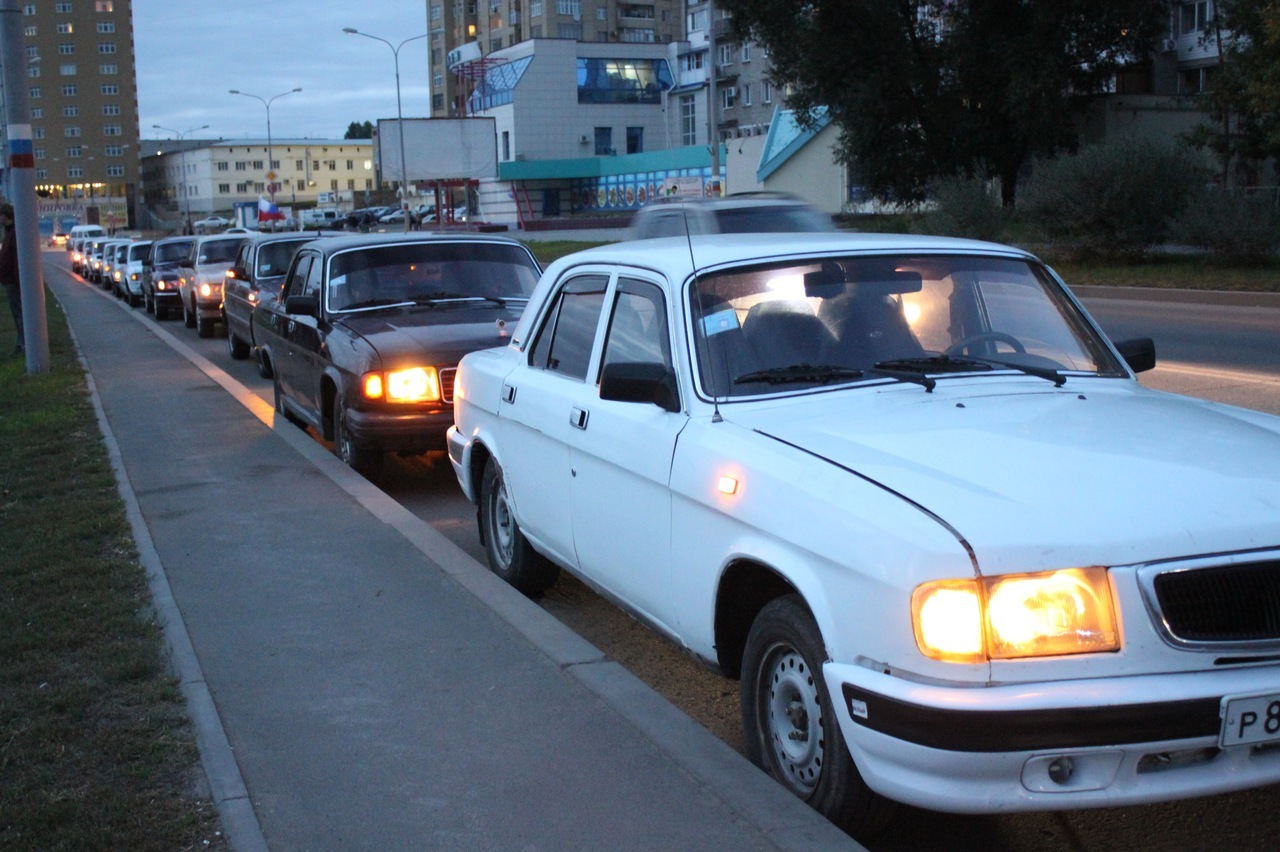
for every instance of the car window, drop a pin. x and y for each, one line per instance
(315, 275)
(274, 258)
(139, 251)
(242, 256)
(218, 251)
(564, 342)
(298, 280)
(637, 331)
(169, 252)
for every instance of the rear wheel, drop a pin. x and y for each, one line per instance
(789, 723)
(511, 556)
(264, 363)
(204, 325)
(188, 315)
(236, 347)
(281, 409)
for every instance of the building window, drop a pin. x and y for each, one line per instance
(368, 184)
(111, 109)
(331, 165)
(33, 70)
(110, 89)
(75, 172)
(436, 13)
(114, 150)
(35, 92)
(302, 184)
(351, 184)
(104, 6)
(622, 81)
(75, 152)
(315, 165)
(333, 185)
(297, 165)
(728, 97)
(767, 88)
(37, 133)
(33, 52)
(535, 8)
(30, 32)
(635, 140)
(223, 166)
(242, 188)
(602, 14)
(39, 153)
(351, 164)
(71, 132)
(241, 165)
(115, 171)
(1194, 17)
(106, 26)
(746, 52)
(62, 8)
(66, 29)
(29, 9)
(688, 120)
(636, 35)
(724, 55)
(573, 31)
(569, 7)
(42, 174)
(697, 20)
(746, 94)
(70, 91)
(109, 68)
(604, 141)
(70, 111)
(106, 47)
(224, 189)
(37, 112)
(506, 145)
(67, 70)
(113, 130)
(257, 165)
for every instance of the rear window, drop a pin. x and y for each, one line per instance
(771, 219)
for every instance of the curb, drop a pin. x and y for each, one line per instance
(1240, 298)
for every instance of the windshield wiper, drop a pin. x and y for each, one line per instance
(380, 302)
(967, 364)
(820, 374)
(442, 296)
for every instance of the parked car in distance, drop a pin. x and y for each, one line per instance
(203, 272)
(211, 223)
(907, 492)
(255, 276)
(117, 257)
(740, 213)
(93, 259)
(364, 343)
(133, 270)
(163, 275)
(365, 217)
(395, 217)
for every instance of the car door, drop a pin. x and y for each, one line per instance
(538, 404)
(307, 352)
(620, 460)
(280, 325)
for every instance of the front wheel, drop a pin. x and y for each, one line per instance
(188, 315)
(511, 556)
(359, 458)
(790, 726)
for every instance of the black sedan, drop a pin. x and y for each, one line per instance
(365, 340)
(256, 276)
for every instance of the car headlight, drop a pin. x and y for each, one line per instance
(208, 290)
(415, 384)
(1014, 616)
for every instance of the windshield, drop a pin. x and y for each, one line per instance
(871, 317)
(171, 252)
(219, 251)
(420, 272)
(138, 251)
(274, 258)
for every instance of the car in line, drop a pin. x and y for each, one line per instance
(211, 223)
(738, 213)
(93, 259)
(132, 271)
(909, 494)
(116, 258)
(104, 258)
(255, 276)
(204, 270)
(162, 275)
(364, 342)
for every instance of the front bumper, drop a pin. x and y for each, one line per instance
(1127, 740)
(416, 431)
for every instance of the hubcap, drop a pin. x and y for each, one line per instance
(500, 522)
(793, 718)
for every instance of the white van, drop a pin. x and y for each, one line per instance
(324, 219)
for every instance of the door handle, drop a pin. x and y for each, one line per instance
(578, 418)
(508, 393)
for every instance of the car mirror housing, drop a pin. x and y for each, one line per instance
(306, 306)
(1139, 353)
(644, 382)
(238, 272)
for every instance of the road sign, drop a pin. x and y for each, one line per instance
(273, 188)
(271, 175)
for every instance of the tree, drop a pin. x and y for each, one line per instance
(928, 89)
(1243, 97)
(359, 130)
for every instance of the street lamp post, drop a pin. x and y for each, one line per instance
(182, 150)
(404, 166)
(266, 102)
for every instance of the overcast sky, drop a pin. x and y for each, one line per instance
(191, 54)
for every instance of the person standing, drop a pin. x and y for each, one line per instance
(9, 271)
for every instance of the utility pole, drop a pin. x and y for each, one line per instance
(21, 167)
(713, 136)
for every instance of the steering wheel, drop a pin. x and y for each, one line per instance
(994, 336)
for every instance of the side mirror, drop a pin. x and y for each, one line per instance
(303, 306)
(1139, 353)
(646, 382)
(238, 272)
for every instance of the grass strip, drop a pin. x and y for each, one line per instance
(96, 750)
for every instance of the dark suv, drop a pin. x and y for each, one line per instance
(254, 278)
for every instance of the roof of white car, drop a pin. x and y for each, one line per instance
(678, 257)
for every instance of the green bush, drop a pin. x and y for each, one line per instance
(966, 207)
(1113, 200)
(1235, 227)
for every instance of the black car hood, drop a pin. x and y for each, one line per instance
(442, 334)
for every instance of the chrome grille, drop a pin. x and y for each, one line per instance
(447, 375)
(1233, 603)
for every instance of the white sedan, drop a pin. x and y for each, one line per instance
(907, 492)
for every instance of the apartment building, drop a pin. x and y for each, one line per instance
(84, 106)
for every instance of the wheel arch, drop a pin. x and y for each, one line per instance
(746, 586)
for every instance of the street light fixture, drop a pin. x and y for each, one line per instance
(404, 166)
(182, 149)
(266, 102)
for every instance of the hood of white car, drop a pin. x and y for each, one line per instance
(1036, 477)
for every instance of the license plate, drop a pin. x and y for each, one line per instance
(1250, 719)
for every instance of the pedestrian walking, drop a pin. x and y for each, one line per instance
(9, 271)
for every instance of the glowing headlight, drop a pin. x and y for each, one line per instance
(206, 290)
(1020, 615)
(416, 384)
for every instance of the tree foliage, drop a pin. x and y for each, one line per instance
(1243, 98)
(359, 130)
(928, 89)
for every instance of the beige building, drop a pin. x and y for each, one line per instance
(200, 177)
(84, 105)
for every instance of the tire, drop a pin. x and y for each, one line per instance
(147, 303)
(161, 312)
(790, 725)
(188, 316)
(204, 326)
(236, 348)
(511, 556)
(361, 459)
(264, 363)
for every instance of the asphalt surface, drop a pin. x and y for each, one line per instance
(355, 679)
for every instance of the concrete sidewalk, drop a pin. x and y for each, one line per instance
(357, 681)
